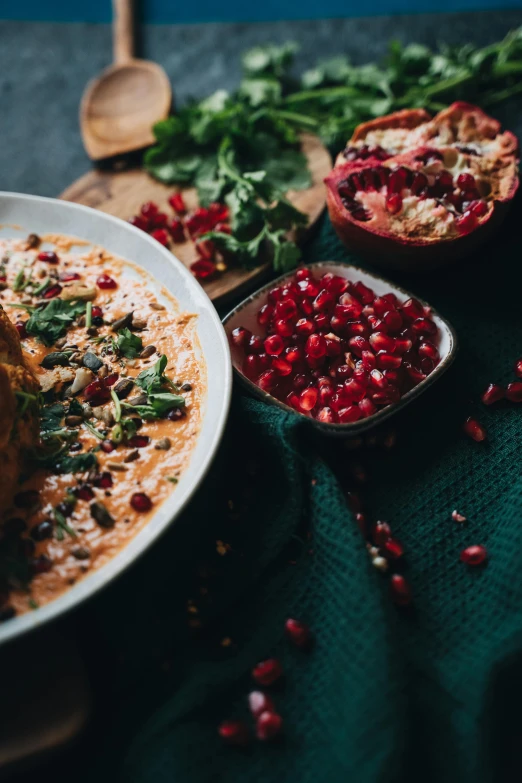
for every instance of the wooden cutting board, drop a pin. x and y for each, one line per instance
(121, 193)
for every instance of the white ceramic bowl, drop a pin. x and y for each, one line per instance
(245, 314)
(20, 215)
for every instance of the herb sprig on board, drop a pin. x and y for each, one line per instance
(243, 148)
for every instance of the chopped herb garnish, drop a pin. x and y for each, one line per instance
(19, 281)
(62, 523)
(79, 463)
(94, 431)
(50, 323)
(117, 406)
(32, 604)
(153, 379)
(41, 288)
(129, 344)
(172, 479)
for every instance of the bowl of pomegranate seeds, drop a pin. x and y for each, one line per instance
(339, 346)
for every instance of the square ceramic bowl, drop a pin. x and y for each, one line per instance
(245, 314)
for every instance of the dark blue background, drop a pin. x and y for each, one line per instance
(172, 11)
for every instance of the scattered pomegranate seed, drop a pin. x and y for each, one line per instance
(260, 702)
(138, 441)
(140, 221)
(298, 633)
(475, 430)
(107, 446)
(141, 502)
(493, 393)
(393, 548)
(381, 533)
(233, 732)
(202, 268)
(474, 555)
(106, 283)
(49, 256)
(21, 329)
(177, 231)
(400, 590)
(267, 672)
(514, 391)
(97, 312)
(268, 726)
(458, 517)
(177, 203)
(52, 292)
(97, 390)
(41, 565)
(161, 235)
(83, 492)
(518, 368)
(103, 480)
(68, 277)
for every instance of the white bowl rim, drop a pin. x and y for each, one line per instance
(101, 577)
(363, 425)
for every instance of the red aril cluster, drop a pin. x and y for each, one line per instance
(186, 225)
(335, 350)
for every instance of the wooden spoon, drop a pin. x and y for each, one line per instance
(119, 108)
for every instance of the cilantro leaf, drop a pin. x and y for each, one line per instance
(157, 405)
(153, 379)
(50, 323)
(129, 344)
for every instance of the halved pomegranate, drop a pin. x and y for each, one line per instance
(416, 192)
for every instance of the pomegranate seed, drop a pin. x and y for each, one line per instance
(466, 222)
(284, 328)
(251, 366)
(97, 389)
(466, 182)
(286, 309)
(140, 502)
(514, 391)
(111, 379)
(493, 393)
(54, 290)
(268, 726)
(316, 346)
(292, 400)
(240, 336)
(323, 302)
(293, 354)
(107, 446)
(419, 184)
(478, 208)
(394, 203)
(259, 702)
(138, 441)
(106, 283)
(363, 293)
(177, 231)
(427, 349)
(380, 341)
(21, 329)
(302, 273)
(97, 312)
(267, 672)
(233, 732)
(203, 268)
(308, 398)
(83, 492)
(458, 517)
(387, 361)
(140, 222)
(255, 344)
(350, 414)
(160, 220)
(367, 407)
(402, 345)
(393, 548)
(361, 214)
(177, 203)
(326, 415)
(381, 533)
(281, 366)
(265, 314)
(475, 430)
(368, 360)
(149, 209)
(41, 565)
(400, 590)
(267, 380)
(392, 320)
(358, 344)
(305, 326)
(398, 179)
(518, 368)
(103, 480)
(274, 345)
(161, 236)
(474, 555)
(413, 309)
(415, 374)
(68, 277)
(49, 256)
(378, 380)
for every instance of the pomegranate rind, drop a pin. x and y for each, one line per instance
(410, 243)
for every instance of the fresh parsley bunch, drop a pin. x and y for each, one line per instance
(243, 148)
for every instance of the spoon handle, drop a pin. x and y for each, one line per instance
(122, 31)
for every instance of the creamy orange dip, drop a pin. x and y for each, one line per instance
(158, 328)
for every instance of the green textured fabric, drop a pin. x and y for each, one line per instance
(386, 695)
